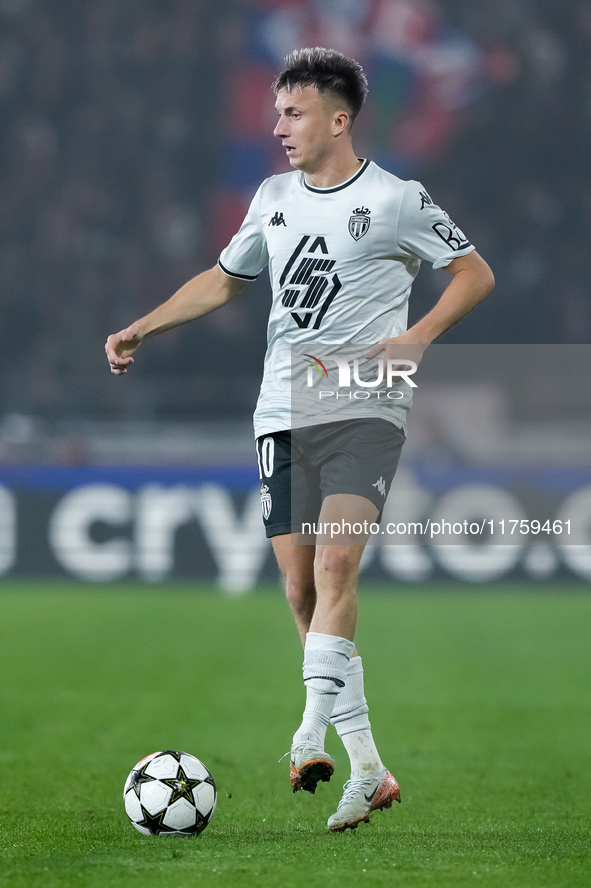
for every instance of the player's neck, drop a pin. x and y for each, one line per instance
(334, 171)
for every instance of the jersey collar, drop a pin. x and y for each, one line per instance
(345, 184)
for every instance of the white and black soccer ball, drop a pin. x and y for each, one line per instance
(170, 793)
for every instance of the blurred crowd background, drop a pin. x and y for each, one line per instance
(133, 134)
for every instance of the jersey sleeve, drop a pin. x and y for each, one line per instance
(426, 231)
(246, 255)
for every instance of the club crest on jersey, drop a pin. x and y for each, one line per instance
(359, 223)
(266, 504)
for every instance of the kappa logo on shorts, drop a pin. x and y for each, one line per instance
(266, 503)
(380, 486)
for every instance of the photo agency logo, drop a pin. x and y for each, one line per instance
(385, 384)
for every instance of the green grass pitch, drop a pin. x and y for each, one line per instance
(479, 701)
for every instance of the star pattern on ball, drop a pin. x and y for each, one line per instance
(182, 786)
(153, 823)
(175, 753)
(138, 778)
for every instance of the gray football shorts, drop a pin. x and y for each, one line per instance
(300, 467)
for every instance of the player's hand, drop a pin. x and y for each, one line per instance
(120, 347)
(405, 354)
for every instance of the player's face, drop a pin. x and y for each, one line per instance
(307, 126)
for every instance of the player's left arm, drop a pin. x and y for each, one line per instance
(472, 280)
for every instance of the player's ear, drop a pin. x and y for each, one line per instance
(340, 121)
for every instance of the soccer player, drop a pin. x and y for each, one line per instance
(343, 240)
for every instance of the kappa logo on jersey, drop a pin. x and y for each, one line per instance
(359, 223)
(266, 503)
(309, 283)
(426, 201)
(277, 220)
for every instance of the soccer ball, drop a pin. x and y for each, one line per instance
(170, 793)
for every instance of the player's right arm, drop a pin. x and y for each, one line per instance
(204, 293)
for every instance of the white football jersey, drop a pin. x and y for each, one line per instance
(342, 262)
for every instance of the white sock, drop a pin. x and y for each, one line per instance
(326, 658)
(349, 716)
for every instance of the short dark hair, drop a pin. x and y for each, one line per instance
(329, 71)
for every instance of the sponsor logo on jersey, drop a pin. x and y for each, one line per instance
(451, 234)
(266, 503)
(359, 223)
(447, 230)
(277, 220)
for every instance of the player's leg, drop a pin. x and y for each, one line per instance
(334, 614)
(336, 568)
(371, 460)
(336, 572)
(371, 786)
(328, 646)
(283, 471)
(280, 471)
(296, 563)
(336, 564)
(309, 762)
(351, 720)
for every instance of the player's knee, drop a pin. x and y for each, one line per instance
(300, 597)
(340, 562)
